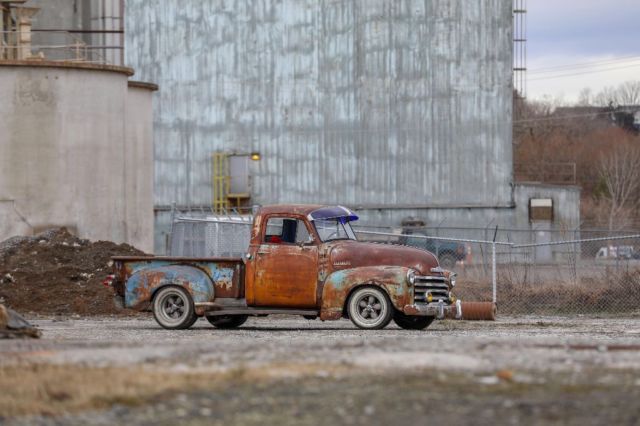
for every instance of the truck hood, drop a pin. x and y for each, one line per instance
(345, 254)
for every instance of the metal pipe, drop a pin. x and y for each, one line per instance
(433, 238)
(588, 240)
(214, 220)
(493, 271)
(79, 31)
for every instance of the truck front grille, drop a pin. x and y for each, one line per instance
(437, 286)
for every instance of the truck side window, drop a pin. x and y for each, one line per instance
(273, 233)
(302, 233)
(285, 231)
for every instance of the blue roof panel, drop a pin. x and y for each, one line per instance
(333, 212)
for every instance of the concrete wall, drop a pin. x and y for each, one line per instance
(74, 152)
(365, 103)
(138, 167)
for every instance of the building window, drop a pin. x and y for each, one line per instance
(541, 209)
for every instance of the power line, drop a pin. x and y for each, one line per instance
(558, 68)
(584, 72)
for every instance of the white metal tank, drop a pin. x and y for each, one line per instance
(75, 151)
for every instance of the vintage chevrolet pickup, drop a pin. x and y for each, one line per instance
(301, 260)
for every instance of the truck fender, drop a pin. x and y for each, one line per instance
(142, 285)
(339, 285)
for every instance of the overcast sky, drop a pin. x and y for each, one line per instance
(569, 32)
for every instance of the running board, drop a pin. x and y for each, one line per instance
(253, 311)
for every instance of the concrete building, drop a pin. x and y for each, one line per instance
(395, 109)
(75, 149)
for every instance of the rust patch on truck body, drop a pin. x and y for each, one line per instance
(203, 278)
(347, 254)
(340, 284)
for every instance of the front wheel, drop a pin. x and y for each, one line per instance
(227, 321)
(173, 308)
(370, 309)
(412, 322)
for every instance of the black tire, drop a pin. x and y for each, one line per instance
(369, 308)
(193, 321)
(173, 308)
(412, 322)
(227, 321)
(448, 261)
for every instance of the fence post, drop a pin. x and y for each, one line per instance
(493, 271)
(169, 242)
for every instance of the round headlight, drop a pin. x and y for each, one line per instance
(453, 282)
(411, 276)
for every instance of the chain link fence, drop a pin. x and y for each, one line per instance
(534, 271)
(545, 272)
(586, 276)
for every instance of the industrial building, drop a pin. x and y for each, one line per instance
(76, 142)
(395, 109)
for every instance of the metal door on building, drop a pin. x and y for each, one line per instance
(541, 218)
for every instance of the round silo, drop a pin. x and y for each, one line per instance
(64, 148)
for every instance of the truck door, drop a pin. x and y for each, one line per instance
(286, 265)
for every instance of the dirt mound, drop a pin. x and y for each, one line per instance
(58, 273)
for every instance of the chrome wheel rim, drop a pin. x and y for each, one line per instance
(172, 307)
(369, 308)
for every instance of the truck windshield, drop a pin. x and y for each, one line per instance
(334, 229)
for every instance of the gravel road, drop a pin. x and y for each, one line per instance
(515, 370)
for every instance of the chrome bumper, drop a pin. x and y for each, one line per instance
(436, 309)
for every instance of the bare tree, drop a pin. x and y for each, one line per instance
(628, 93)
(585, 98)
(606, 97)
(620, 171)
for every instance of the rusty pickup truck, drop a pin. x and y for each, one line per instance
(301, 260)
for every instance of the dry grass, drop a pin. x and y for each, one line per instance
(57, 389)
(607, 293)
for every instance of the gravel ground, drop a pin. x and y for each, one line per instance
(515, 370)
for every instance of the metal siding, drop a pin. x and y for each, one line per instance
(356, 102)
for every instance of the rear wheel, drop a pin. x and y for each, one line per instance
(412, 322)
(173, 308)
(227, 321)
(369, 308)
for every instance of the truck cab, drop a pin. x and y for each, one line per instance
(300, 259)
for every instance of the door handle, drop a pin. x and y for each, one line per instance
(262, 252)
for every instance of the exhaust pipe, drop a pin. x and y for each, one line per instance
(479, 311)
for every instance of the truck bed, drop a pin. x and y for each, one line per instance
(226, 274)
